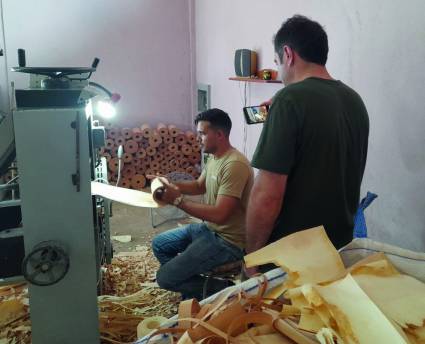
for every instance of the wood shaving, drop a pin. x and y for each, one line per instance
(378, 305)
(119, 316)
(129, 271)
(18, 328)
(131, 296)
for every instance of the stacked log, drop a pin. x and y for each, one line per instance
(148, 150)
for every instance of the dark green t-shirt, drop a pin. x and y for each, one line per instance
(316, 133)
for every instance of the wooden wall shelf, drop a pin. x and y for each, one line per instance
(246, 79)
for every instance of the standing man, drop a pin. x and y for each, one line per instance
(187, 252)
(312, 151)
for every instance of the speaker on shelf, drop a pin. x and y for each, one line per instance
(245, 62)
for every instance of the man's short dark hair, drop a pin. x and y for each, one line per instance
(305, 36)
(217, 118)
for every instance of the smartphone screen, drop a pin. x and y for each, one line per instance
(256, 114)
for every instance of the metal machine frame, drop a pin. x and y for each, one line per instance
(64, 229)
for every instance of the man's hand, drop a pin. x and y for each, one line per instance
(169, 192)
(186, 187)
(267, 102)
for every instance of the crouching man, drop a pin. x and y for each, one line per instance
(187, 252)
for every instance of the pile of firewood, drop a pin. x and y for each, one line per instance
(163, 149)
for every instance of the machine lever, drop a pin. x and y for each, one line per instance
(95, 62)
(76, 176)
(21, 58)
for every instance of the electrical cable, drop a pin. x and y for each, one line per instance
(104, 89)
(244, 100)
(119, 172)
(244, 94)
(245, 126)
(120, 152)
(240, 92)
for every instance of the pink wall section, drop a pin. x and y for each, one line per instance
(221, 28)
(376, 48)
(144, 47)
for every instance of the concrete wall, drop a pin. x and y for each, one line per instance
(377, 48)
(144, 47)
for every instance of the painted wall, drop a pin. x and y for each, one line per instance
(144, 47)
(377, 48)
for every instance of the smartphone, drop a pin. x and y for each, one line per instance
(256, 114)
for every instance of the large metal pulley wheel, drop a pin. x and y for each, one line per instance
(46, 264)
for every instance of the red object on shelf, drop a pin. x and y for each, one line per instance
(240, 78)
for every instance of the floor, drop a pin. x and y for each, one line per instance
(137, 222)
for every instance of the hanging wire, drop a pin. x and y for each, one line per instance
(244, 98)
(245, 125)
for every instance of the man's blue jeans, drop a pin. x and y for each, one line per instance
(185, 253)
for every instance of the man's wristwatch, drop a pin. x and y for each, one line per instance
(178, 200)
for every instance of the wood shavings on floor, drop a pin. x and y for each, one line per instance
(130, 279)
(128, 271)
(15, 326)
(130, 295)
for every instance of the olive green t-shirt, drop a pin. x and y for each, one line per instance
(316, 133)
(229, 175)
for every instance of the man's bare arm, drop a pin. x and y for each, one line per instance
(191, 187)
(264, 206)
(196, 187)
(218, 213)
